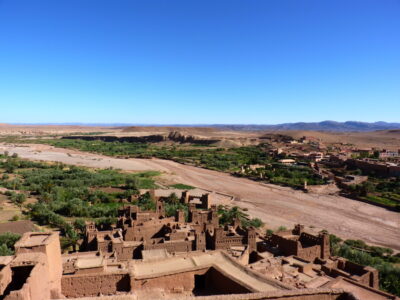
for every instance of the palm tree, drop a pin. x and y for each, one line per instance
(237, 213)
(228, 215)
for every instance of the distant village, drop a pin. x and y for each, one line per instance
(344, 165)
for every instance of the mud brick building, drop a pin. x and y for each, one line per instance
(38, 271)
(344, 268)
(138, 230)
(299, 243)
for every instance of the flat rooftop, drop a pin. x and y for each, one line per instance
(32, 239)
(89, 262)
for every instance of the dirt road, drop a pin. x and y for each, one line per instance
(273, 204)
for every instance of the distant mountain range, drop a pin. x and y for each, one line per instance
(318, 126)
(312, 126)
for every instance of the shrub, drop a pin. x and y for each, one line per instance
(7, 241)
(281, 228)
(15, 218)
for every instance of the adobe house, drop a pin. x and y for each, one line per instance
(299, 243)
(204, 201)
(36, 269)
(342, 267)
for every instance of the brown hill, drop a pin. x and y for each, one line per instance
(379, 139)
(167, 129)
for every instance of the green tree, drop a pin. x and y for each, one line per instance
(132, 183)
(79, 224)
(5, 251)
(173, 199)
(228, 215)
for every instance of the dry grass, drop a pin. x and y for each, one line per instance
(8, 209)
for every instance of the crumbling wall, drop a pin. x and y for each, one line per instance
(365, 275)
(147, 230)
(286, 246)
(309, 253)
(36, 286)
(75, 286)
(128, 252)
(171, 247)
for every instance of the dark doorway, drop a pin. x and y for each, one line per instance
(199, 281)
(200, 285)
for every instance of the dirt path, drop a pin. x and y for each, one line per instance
(273, 204)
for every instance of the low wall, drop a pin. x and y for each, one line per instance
(74, 286)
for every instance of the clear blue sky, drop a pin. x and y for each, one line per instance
(203, 61)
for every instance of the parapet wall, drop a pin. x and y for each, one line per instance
(305, 294)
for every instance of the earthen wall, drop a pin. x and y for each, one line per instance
(171, 247)
(145, 231)
(75, 286)
(309, 253)
(5, 278)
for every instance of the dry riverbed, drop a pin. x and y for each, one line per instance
(275, 205)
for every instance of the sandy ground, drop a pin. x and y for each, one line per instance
(275, 205)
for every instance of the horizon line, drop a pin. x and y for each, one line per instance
(113, 124)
